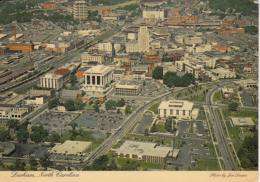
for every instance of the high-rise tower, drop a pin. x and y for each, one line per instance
(143, 39)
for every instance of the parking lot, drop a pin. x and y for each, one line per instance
(144, 123)
(246, 99)
(55, 121)
(189, 152)
(102, 121)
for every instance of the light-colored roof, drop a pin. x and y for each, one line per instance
(51, 75)
(2, 35)
(176, 104)
(128, 86)
(144, 148)
(71, 147)
(242, 121)
(99, 69)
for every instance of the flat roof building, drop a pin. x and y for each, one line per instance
(145, 151)
(177, 108)
(127, 90)
(242, 121)
(71, 147)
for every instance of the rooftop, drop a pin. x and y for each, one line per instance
(242, 121)
(145, 148)
(71, 147)
(176, 104)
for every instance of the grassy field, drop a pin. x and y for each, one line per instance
(84, 136)
(211, 149)
(122, 161)
(161, 128)
(218, 150)
(237, 145)
(198, 98)
(154, 108)
(217, 96)
(207, 165)
(233, 156)
(234, 131)
(89, 106)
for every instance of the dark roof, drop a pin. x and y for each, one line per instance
(16, 74)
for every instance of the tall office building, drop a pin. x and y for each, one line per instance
(143, 39)
(80, 11)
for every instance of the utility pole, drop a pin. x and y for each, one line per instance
(172, 140)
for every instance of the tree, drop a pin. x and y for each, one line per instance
(53, 103)
(33, 163)
(118, 111)
(74, 125)
(110, 104)
(69, 105)
(144, 83)
(45, 161)
(120, 103)
(4, 135)
(78, 104)
(146, 132)
(53, 138)
(73, 80)
(18, 165)
(168, 124)
(233, 106)
(153, 128)
(96, 108)
(158, 72)
(12, 123)
(22, 135)
(38, 134)
(128, 109)
(240, 88)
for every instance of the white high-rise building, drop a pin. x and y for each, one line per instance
(51, 81)
(143, 39)
(80, 11)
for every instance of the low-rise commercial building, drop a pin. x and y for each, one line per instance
(119, 74)
(223, 73)
(71, 148)
(177, 108)
(127, 90)
(138, 75)
(6, 148)
(41, 92)
(249, 83)
(242, 121)
(34, 101)
(11, 113)
(145, 151)
(92, 57)
(71, 94)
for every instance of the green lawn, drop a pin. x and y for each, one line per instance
(237, 145)
(154, 108)
(161, 128)
(207, 165)
(198, 98)
(85, 136)
(217, 96)
(218, 150)
(89, 106)
(234, 131)
(211, 149)
(143, 165)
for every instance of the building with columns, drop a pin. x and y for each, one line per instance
(51, 80)
(97, 78)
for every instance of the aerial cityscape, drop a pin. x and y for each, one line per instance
(129, 85)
